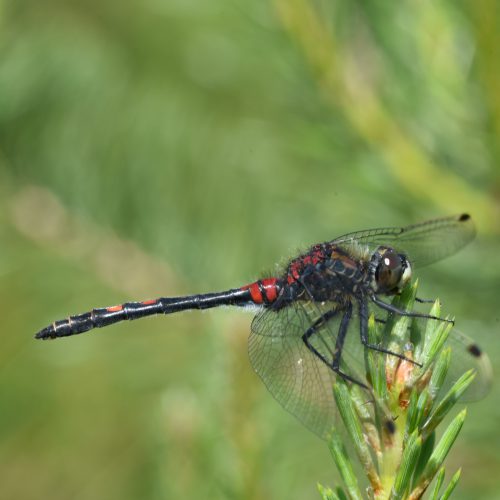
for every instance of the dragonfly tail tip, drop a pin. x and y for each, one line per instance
(46, 333)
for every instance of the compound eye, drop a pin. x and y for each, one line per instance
(389, 271)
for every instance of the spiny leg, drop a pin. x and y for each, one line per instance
(363, 318)
(339, 343)
(424, 301)
(314, 305)
(420, 300)
(335, 364)
(409, 314)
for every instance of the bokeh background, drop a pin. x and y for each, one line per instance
(159, 147)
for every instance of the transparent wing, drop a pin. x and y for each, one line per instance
(465, 355)
(297, 378)
(422, 243)
(302, 383)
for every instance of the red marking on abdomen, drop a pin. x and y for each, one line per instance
(269, 287)
(113, 309)
(255, 292)
(148, 302)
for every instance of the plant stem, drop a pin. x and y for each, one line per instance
(394, 436)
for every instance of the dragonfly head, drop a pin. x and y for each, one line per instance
(390, 271)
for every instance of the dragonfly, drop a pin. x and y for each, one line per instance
(311, 325)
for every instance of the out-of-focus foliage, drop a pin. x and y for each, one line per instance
(171, 146)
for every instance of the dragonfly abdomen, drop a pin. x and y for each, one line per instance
(98, 318)
(262, 293)
(265, 291)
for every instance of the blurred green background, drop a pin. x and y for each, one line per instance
(162, 147)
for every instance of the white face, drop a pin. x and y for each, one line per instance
(406, 274)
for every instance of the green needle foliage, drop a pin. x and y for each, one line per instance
(394, 438)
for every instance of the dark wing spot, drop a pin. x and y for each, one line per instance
(475, 350)
(464, 217)
(390, 426)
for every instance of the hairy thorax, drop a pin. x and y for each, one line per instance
(326, 273)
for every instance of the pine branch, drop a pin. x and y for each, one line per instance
(394, 437)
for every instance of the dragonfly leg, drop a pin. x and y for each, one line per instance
(339, 343)
(419, 300)
(363, 317)
(402, 312)
(425, 301)
(335, 364)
